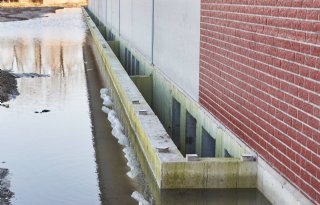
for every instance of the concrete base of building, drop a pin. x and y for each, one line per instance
(170, 169)
(277, 189)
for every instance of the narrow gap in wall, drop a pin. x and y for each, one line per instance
(125, 63)
(227, 154)
(208, 148)
(109, 36)
(133, 67)
(176, 115)
(129, 63)
(190, 140)
(138, 67)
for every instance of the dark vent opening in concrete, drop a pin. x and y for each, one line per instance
(133, 67)
(137, 68)
(227, 154)
(129, 63)
(176, 114)
(191, 131)
(125, 63)
(208, 145)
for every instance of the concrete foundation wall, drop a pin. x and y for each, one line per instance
(148, 135)
(164, 89)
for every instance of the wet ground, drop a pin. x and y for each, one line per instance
(8, 87)
(20, 14)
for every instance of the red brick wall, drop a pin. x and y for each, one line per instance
(260, 74)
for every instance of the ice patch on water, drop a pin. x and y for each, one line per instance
(105, 109)
(107, 101)
(117, 132)
(104, 94)
(139, 198)
(105, 91)
(132, 162)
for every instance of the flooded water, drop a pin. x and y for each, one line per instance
(67, 154)
(50, 155)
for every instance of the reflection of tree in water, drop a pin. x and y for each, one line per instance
(37, 54)
(42, 57)
(19, 51)
(29, 1)
(62, 60)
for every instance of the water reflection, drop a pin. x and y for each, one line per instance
(50, 155)
(213, 197)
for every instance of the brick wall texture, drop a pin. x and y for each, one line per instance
(260, 76)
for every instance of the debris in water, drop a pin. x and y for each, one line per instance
(5, 105)
(43, 111)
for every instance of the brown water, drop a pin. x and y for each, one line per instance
(68, 155)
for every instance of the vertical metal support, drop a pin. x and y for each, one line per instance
(152, 43)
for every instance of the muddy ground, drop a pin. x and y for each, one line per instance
(5, 193)
(8, 86)
(20, 14)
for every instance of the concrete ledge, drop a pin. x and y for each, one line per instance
(170, 169)
(210, 173)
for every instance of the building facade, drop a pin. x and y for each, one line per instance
(253, 65)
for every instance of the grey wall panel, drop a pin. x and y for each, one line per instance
(109, 13)
(99, 8)
(177, 42)
(126, 19)
(142, 27)
(115, 15)
(103, 10)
